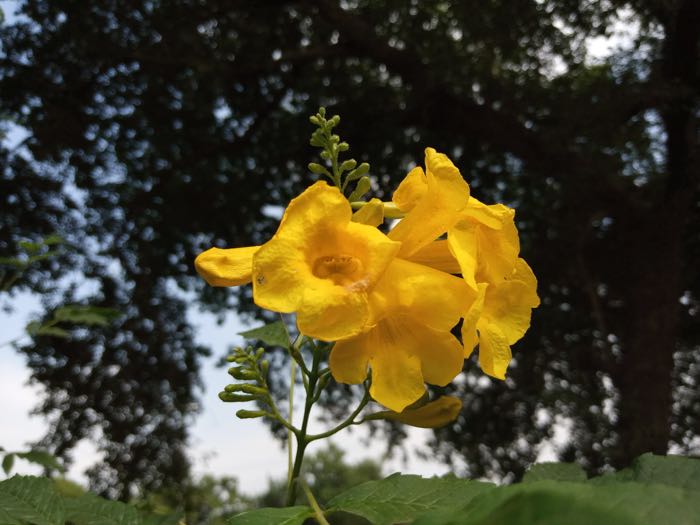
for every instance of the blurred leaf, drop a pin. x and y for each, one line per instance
(53, 239)
(89, 509)
(401, 498)
(273, 334)
(7, 462)
(53, 331)
(13, 261)
(273, 516)
(43, 458)
(555, 472)
(30, 247)
(86, 315)
(28, 499)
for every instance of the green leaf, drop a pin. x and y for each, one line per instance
(53, 331)
(30, 499)
(43, 458)
(557, 502)
(30, 247)
(13, 261)
(89, 509)
(676, 471)
(555, 472)
(86, 315)
(401, 498)
(7, 462)
(271, 516)
(273, 334)
(53, 239)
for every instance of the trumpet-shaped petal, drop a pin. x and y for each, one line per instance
(433, 205)
(437, 255)
(402, 353)
(226, 267)
(321, 265)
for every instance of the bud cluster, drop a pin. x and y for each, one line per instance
(249, 366)
(341, 173)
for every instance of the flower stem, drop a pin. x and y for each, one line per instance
(301, 436)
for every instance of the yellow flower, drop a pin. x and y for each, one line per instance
(482, 245)
(485, 242)
(414, 307)
(432, 201)
(319, 264)
(499, 318)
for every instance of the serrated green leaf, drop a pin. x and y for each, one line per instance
(89, 509)
(43, 458)
(32, 500)
(7, 462)
(555, 471)
(273, 334)
(557, 502)
(86, 315)
(272, 516)
(403, 498)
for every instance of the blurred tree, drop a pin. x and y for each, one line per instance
(173, 126)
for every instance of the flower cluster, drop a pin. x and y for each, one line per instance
(391, 302)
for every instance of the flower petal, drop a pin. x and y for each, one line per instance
(397, 380)
(434, 414)
(498, 252)
(330, 312)
(437, 210)
(494, 350)
(470, 337)
(509, 306)
(349, 360)
(462, 240)
(371, 214)
(226, 267)
(411, 190)
(437, 255)
(440, 353)
(491, 215)
(436, 298)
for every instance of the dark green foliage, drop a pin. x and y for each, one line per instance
(156, 130)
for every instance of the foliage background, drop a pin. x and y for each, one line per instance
(156, 129)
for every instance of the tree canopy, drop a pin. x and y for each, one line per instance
(157, 129)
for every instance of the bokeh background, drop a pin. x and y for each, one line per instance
(143, 132)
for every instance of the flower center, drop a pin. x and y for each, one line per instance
(341, 269)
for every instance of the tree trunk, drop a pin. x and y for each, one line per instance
(656, 259)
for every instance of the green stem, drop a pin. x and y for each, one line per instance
(314, 504)
(301, 436)
(349, 421)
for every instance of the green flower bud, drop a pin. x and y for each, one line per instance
(228, 397)
(250, 414)
(348, 164)
(242, 374)
(363, 186)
